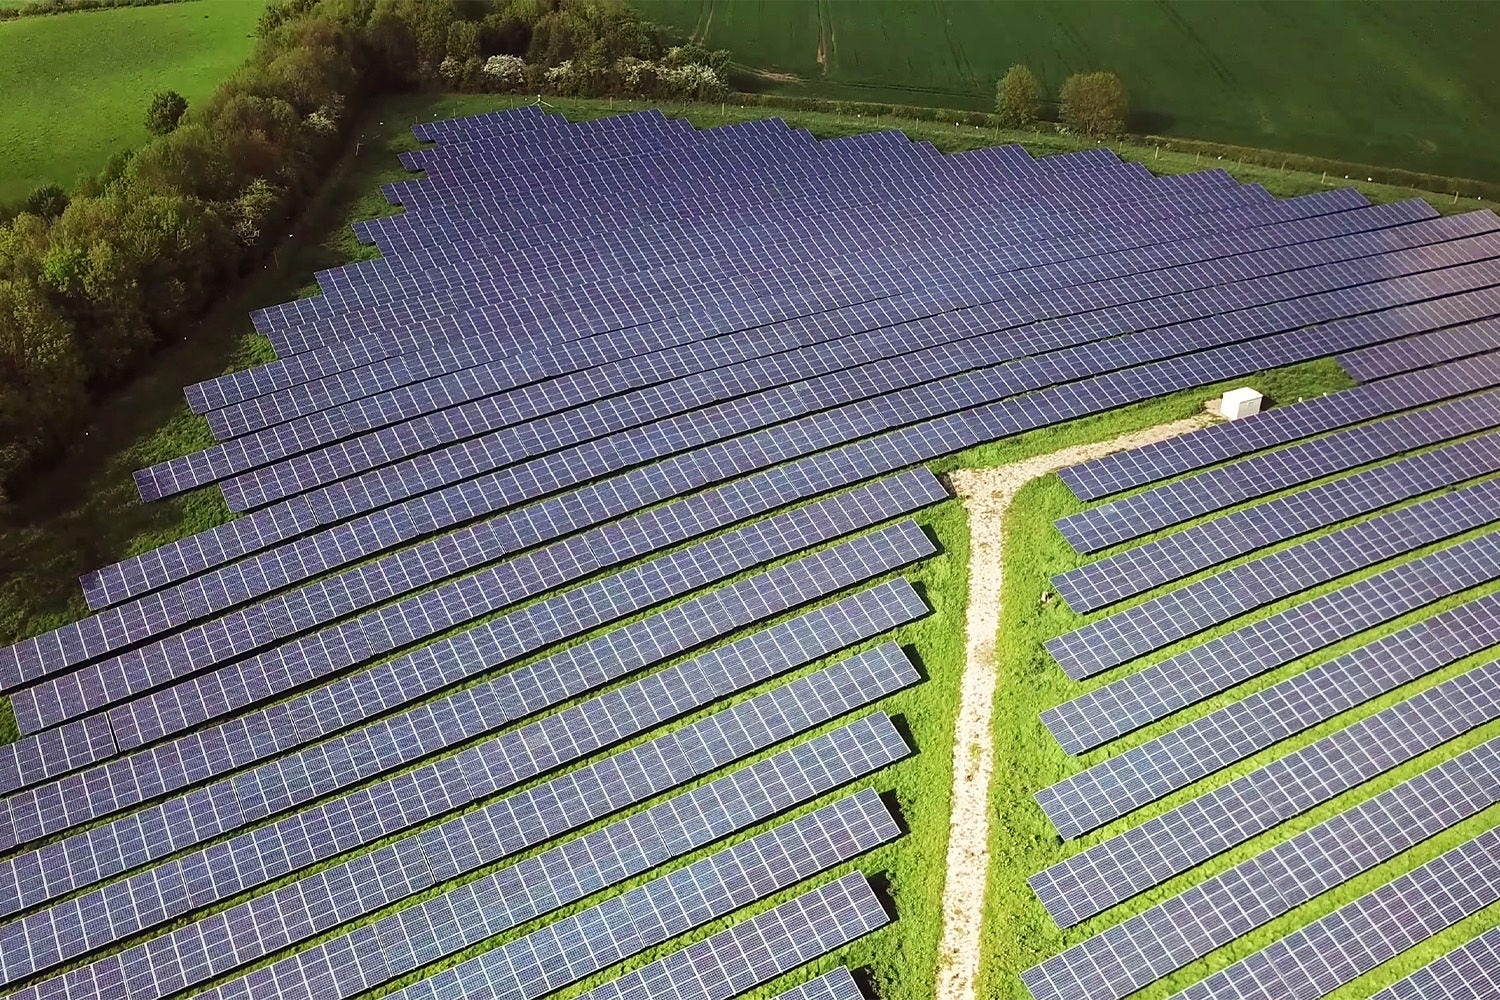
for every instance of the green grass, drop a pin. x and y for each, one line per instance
(84, 514)
(76, 87)
(1390, 83)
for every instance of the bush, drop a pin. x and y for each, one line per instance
(49, 201)
(165, 112)
(506, 74)
(1018, 98)
(1094, 104)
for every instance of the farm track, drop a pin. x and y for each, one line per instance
(986, 495)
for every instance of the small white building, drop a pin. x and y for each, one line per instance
(1241, 402)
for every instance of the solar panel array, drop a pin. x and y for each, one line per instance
(1365, 518)
(556, 510)
(1469, 972)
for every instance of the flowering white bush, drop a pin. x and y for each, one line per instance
(508, 73)
(695, 81)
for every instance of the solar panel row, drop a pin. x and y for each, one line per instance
(1196, 607)
(1206, 492)
(1374, 928)
(448, 373)
(374, 581)
(761, 948)
(1156, 691)
(1125, 470)
(491, 905)
(839, 426)
(1421, 351)
(1138, 569)
(433, 611)
(322, 711)
(155, 895)
(1167, 845)
(569, 949)
(487, 412)
(1469, 972)
(306, 383)
(435, 725)
(1143, 773)
(1166, 937)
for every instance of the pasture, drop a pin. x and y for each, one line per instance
(1393, 84)
(77, 85)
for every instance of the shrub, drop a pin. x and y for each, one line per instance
(165, 112)
(1018, 98)
(1094, 104)
(506, 74)
(48, 201)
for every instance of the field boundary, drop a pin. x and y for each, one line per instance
(1335, 170)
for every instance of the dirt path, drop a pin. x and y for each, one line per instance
(986, 495)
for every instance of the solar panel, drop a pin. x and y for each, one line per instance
(1138, 569)
(1156, 691)
(1158, 941)
(1125, 470)
(568, 949)
(1144, 773)
(496, 903)
(1175, 841)
(1164, 506)
(412, 619)
(1469, 972)
(836, 985)
(756, 950)
(374, 812)
(1372, 929)
(1196, 607)
(459, 716)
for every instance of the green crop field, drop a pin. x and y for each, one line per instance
(77, 85)
(1398, 84)
(85, 513)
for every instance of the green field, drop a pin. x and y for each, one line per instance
(77, 85)
(85, 513)
(1397, 84)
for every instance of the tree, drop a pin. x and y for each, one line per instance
(48, 201)
(166, 111)
(1094, 104)
(1018, 98)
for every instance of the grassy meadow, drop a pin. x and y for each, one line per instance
(85, 513)
(1389, 83)
(77, 85)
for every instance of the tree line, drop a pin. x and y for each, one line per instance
(1091, 104)
(93, 280)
